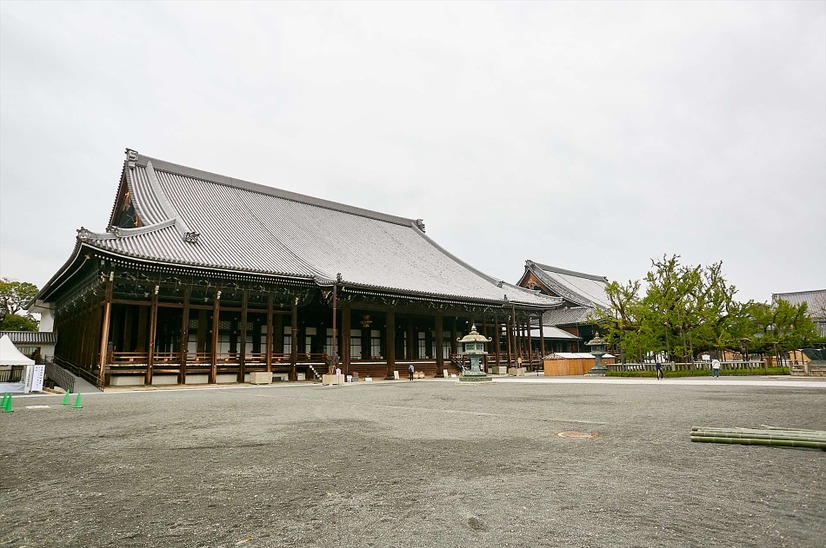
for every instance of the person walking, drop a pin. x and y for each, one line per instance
(411, 370)
(715, 368)
(659, 367)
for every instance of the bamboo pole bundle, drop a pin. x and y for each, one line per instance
(791, 437)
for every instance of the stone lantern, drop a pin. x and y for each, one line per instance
(474, 349)
(598, 346)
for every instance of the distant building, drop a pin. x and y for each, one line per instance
(816, 301)
(566, 328)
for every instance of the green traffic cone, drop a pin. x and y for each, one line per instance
(77, 402)
(66, 397)
(5, 397)
(7, 408)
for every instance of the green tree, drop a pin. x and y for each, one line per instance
(684, 309)
(15, 322)
(780, 327)
(622, 323)
(16, 296)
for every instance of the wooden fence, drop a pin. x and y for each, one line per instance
(571, 366)
(669, 366)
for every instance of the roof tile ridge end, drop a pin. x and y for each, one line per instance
(169, 210)
(558, 270)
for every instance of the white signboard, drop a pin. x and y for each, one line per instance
(37, 377)
(33, 379)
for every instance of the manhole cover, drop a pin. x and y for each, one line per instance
(578, 435)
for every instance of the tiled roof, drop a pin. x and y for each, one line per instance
(567, 316)
(30, 337)
(815, 299)
(575, 287)
(551, 332)
(246, 227)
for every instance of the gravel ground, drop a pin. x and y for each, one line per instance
(427, 463)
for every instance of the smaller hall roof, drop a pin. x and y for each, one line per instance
(576, 288)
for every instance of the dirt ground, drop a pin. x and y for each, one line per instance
(427, 463)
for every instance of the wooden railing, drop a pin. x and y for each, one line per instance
(173, 358)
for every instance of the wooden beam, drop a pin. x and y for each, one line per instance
(412, 341)
(184, 336)
(269, 333)
(216, 310)
(346, 323)
(390, 338)
(294, 345)
(104, 332)
(243, 358)
(541, 338)
(509, 328)
(497, 336)
(153, 328)
(440, 344)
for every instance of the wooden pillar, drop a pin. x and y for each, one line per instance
(82, 353)
(509, 328)
(153, 327)
(184, 337)
(454, 338)
(541, 338)
(345, 336)
(216, 310)
(95, 317)
(142, 323)
(390, 337)
(412, 343)
(440, 344)
(497, 343)
(126, 340)
(243, 358)
(104, 332)
(278, 334)
(201, 345)
(530, 340)
(294, 345)
(269, 333)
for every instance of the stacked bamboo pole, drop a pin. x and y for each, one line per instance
(790, 437)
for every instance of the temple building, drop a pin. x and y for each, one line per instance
(202, 278)
(565, 328)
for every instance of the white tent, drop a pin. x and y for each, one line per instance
(10, 355)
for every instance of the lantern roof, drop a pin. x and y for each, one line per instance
(474, 336)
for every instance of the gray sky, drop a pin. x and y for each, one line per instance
(591, 136)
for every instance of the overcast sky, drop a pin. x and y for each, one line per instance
(590, 136)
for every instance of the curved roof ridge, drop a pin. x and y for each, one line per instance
(164, 203)
(595, 277)
(115, 232)
(557, 287)
(185, 171)
(499, 283)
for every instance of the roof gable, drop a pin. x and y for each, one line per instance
(576, 288)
